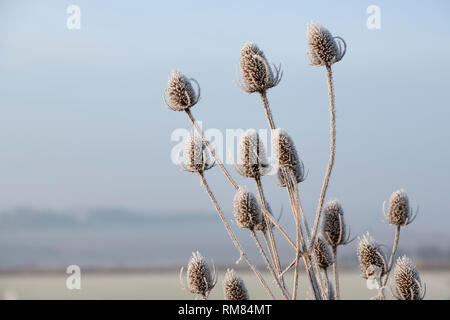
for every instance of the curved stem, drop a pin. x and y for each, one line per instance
(269, 266)
(265, 103)
(336, 275)
(394, 250)
(274, 255)
(332, 153)
(211, 150)
(232, 236)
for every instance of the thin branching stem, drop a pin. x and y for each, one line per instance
(232, 236)
(332, 154)
(391, 260)
(336, 275)
(265, 103)
(269, 266)
(275, 256)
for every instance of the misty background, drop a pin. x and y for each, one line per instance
(86, 175)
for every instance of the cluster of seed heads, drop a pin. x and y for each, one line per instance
(323, 254)
(324, 49)
(180, 94)
(333, 225)
(253, 160)
(257, 74)
(408, 285)
(196, 157)
(370, 255)
(199, 277)
(400, 213)
(247, 212)
(234, 287)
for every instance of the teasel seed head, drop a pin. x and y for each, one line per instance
(324, 49)
(234, 286)
(199, 278)
(257, 74)
(253, 162)
(284, 149)
(196, 157)
(246, 209)
(400, 213)
(408, 285)
(370, 255)
(323, 254)
(333, 226)
(180, 94)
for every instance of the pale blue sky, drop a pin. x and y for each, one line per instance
(82, 123)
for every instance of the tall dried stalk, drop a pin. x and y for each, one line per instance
(232, 236)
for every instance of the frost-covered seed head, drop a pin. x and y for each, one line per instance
(253, 162)
(370, 254)
(246, 209)
(199, 276)
(196, 156)
(323, 254)
(180, 94)
(408, 285)
(284, 149)
(324, 49)
(234, 287)
(399, 210)
(256, 71)
(333, 225)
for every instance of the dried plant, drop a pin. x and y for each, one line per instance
(234, 286)
(408, 285)
(253, 213)
(199, 277)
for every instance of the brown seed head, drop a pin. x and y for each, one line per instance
(180, 94)
(256, 71)
(333, 225)
(199, 278)
(284, 149)
(370, 254)
(246, 209)
(399, 210)
(196, 156)
(253, 162)
(234, 287)
(408, 285)
(324, 49)
(323, 254)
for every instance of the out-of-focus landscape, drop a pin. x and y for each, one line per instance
(87, 171)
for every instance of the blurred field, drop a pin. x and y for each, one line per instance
(165, 285)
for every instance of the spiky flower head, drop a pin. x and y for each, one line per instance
(256, 72)
(253, 160)
(284, 149)
(400, 213)
(234, 287)
(196, 156)
(323, 254)
(265, 222)
(180, 94)
(408, 285)
(246, 209)
(324, 49)
(369, 255)
(333, 225)
(199, 278)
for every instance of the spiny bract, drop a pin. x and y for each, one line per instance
(234, 287)
(246, 209)
(180, 92)
(256, 71)
(323, 47)
(369, 253)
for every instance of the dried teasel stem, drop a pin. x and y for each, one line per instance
(336, 274)
(233, 237)
(274, 249)
(269, 266)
